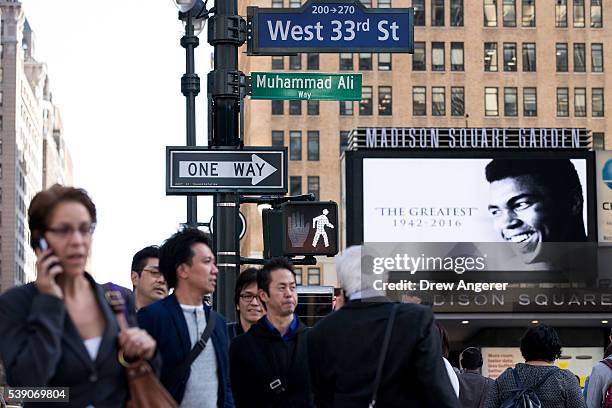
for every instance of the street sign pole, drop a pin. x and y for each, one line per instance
(226, 32)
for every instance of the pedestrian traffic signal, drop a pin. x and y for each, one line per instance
(301, 228)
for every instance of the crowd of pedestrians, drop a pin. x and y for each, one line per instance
(60, 331)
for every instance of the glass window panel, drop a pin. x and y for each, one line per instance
(346, 108)
(529, 13)
(367, 3)
(457, 101)
(579, 13)
(530, 102)
(295, 185)
(437, 13)
(312, 60)
(437, 56)
(456, 11)
(346, 61)
(491, 107)
(597, 57)
(419, 100)
(314, 276)
(384, 3)
(312, 107)
(509, 57)
(599, 141)
(418, 58)
(313, 186)
(597, 102)
(278, 107)
(298, 276)
(295, 107)
(385, 101)
(295, 61)
(562, 64)
(457, 56)
(510, 102)
(294, 3)
(596, 14)
(365, 105)
(563, 102)
(295, 145)
(561, 13)
(313, 145)
(384, 61)
(365, 61)
(580, 102)
(579, 58)
(277, 3)
(438, 101)
(490, 13)
(278, 62)
(490, 57)
(344, 139)
(278, 138)
(529, 57)
(419, 12)
(509, 13)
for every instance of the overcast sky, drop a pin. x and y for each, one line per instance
(115, 70)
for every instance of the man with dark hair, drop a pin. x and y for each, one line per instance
(191, 338)
(473, 387)
(246, 301)
(268, 364)
(148, 282)
(536, 201)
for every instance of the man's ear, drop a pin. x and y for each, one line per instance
(134, 277)
(181, 271)
(263, 295)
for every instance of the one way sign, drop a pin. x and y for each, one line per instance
(193, 170)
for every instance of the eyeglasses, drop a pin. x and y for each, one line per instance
(247, 297)
(66, 231)
(155, 273)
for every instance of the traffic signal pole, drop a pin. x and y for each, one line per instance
(226, 32)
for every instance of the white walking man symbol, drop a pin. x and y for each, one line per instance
(320, 223)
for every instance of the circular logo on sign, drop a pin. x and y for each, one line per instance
(607, 174)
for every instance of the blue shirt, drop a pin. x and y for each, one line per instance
(292, 328)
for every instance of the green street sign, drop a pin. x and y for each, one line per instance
(316, 86)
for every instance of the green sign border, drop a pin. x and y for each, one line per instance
(316, 94)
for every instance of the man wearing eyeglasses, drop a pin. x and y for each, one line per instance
(246, 302)
(149, 283)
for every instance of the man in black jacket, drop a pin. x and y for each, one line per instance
(473, 387)
(344, 349)
(268, 364)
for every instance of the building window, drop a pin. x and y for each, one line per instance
(437, 56)
(457, 101)
(278, 138)
(313, 145)
(529, 57)
(384, 61)
(599, 139)
(597, 102)
(295, 62)
(346, 61)
(457, 56)
(561, 13)
(365, 61)
(530, 102)
(278, 107)
(562, 63)
(597, 57)
(295, 107)
(419, 12)
(385, 101)
(313, 186)
(437, 13)
(418, 58)
(529, 13)
(277, 3)
(344, 137)
(278, 62)
(419, 100)
(596, 17)
(365, 105)
(578, 13)
(562, 102)
(510, 102)
(490, 57)
(298, 276)
(438, 101)
(295, 145)
(312, 107)
(490, 13)
(509, 13)
(346, 108)
(509, 57)
(580, 102)
(312, 61)
(294, 3)
(295, 185)
(384, 3)
(491, 107)
(367, 3)
(579, 57)
(314, 276)
(456, 13)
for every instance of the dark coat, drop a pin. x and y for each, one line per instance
(276, 358)
(164, 320)
(473, 389)
(234, 329)
(40, 346)
(344, 349)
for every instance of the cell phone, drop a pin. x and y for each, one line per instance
(43, 244)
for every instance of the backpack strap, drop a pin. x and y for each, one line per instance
(607, 362)
(383, 354)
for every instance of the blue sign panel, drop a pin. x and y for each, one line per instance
(329, 26)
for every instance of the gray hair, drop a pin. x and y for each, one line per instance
(348, 269)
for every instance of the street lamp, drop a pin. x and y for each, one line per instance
(193, 14)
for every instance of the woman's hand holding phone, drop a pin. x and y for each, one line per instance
(48, 268)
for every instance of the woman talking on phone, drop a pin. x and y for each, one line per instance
(59, 331)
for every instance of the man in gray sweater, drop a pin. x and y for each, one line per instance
(599, 382)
